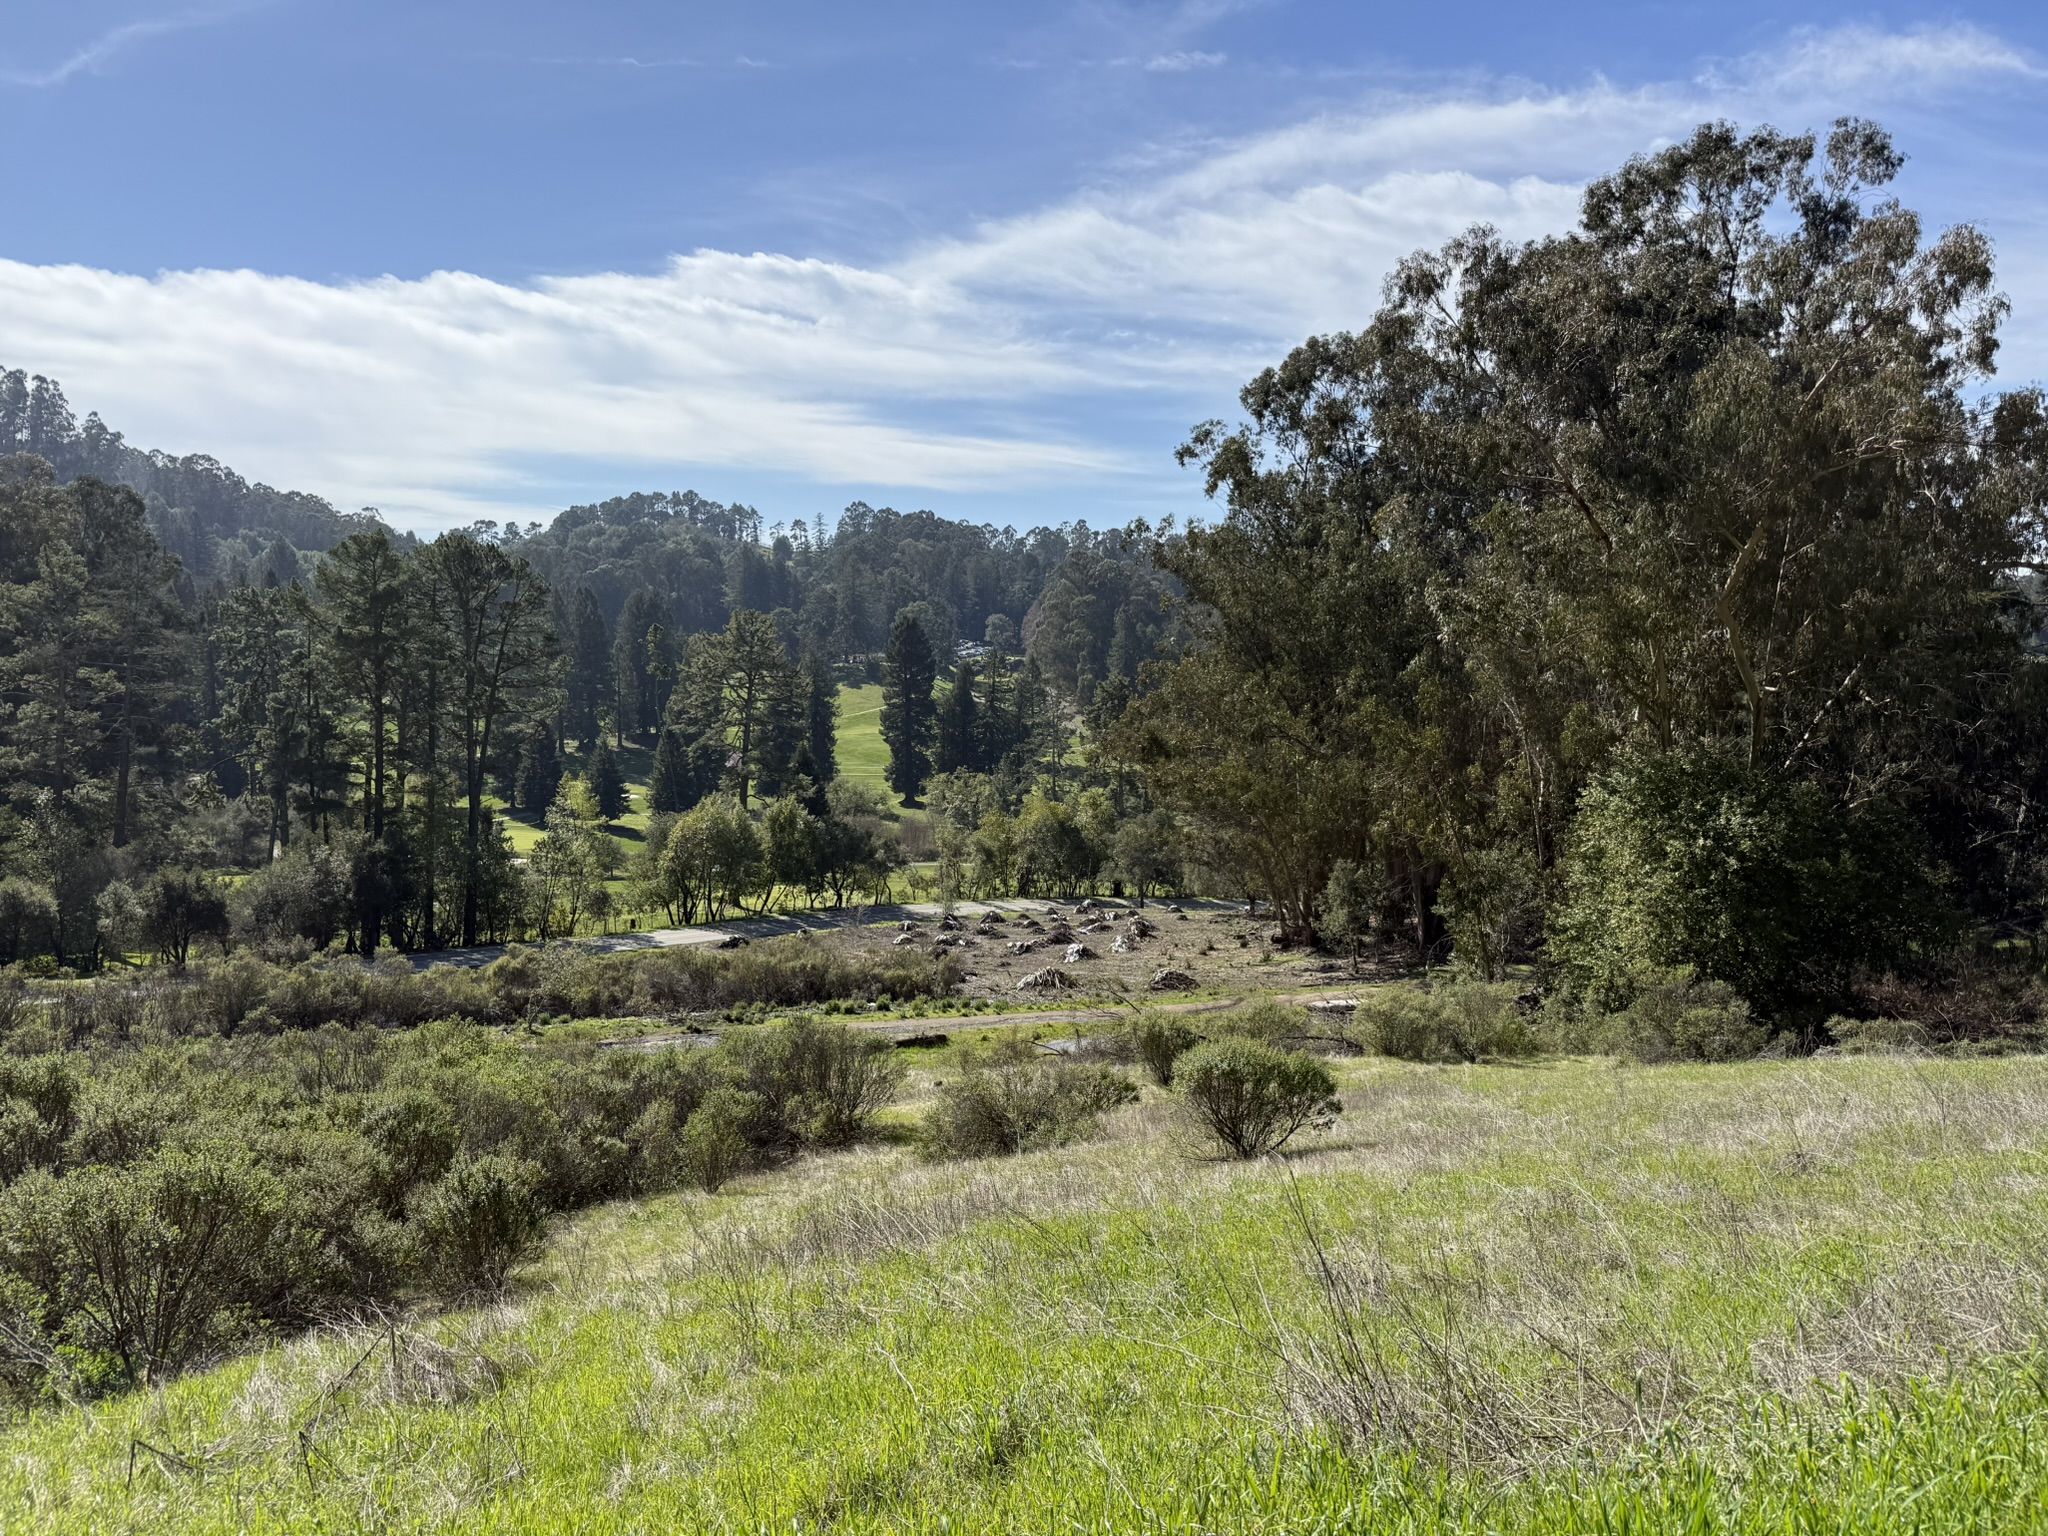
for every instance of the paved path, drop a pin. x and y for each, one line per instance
(778, 925)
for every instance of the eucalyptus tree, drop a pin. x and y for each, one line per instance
(1710, 473)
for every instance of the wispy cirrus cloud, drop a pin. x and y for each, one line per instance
(1862, 58)
(1182, 60)
(619, 61)
(102, 50)
(983, 360)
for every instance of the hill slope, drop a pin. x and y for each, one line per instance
(1572, 1298)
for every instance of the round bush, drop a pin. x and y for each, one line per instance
(479, 1220)
(1013, 1100)
(1160, 1043)
(1252, 1097)
(715, 1142)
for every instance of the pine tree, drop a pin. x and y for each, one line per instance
(668, 786)
(959, 734)
(639, 662)
(807, 787)
(540, 771)
(823, 712)
(908, 672)
(608, 782)
(590, 669)
(756, 700)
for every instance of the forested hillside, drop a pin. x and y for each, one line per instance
(235, 715)
(216, 524)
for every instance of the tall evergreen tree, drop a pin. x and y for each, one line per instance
(640, 663)
(908, 673)
(959, 726)
(540, 769)
(607, 782)
(490, 612)
(363, 581)
(759, 709)
(590, 669)
(822, 736)
(668, 787)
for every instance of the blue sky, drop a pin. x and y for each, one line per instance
(459, 260)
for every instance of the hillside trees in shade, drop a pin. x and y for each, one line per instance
(909, 671)
(1703, 477)
(699, 562)
(1106, 610)
(218, 525)
(643, 664)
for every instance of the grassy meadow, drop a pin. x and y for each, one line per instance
(862, 757)
(1566, 1297)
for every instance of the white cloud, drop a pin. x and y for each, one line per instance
(432, 398)
(102, 49)
(1176, 62)
(1856, 58)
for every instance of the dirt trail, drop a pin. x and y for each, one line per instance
(1093, 1014)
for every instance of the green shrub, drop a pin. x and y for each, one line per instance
(483, 1217)
(1461, 1020)
(1674, 1016)
(413, 1138)
(38, 1112)
(387, 1161)
(152, 1267)
(1252, 1097)
(1858, 1035)
(1013, 1100)
(1694, 859)
(1273, 1022)
(245, 994)
(716, 1143)
(1159, 1041)
(819, 1083)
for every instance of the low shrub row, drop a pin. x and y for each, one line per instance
(245, 995)
(165, 1205)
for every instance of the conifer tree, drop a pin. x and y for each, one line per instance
(959, 734)
(822, 706)
(668, 786)
(540, 770)
(908, 672)
(607, 782)
(590, 669)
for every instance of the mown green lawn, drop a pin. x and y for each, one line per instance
(525, 828)
(1561, 1297)
(863, 756)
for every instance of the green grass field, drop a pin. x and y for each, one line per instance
(862, 757)
(524, 829)
(1563, 1297)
